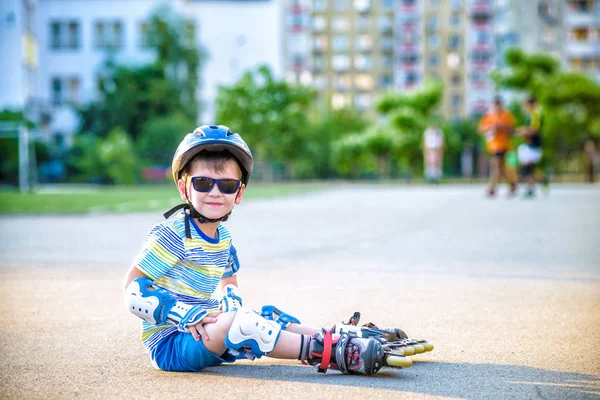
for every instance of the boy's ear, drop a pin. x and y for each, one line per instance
(181, 186)
(238, 197)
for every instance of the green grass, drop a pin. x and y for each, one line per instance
(86, 199)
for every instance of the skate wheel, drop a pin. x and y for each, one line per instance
(428, 346)
(408, 351)
(398, 361)
(419, 348)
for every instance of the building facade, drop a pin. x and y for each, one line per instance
(72, 39)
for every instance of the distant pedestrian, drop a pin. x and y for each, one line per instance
(433, 152)
(590, 159)
(497, 126)
(530, 152)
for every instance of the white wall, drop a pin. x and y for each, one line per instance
(238, 36)
(12, 90)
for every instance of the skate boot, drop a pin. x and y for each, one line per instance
(347, 353)
(391, 338)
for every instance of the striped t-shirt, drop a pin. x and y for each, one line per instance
(190, 269)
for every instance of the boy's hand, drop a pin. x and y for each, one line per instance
(198, 331)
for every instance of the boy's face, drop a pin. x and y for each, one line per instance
(212, 204)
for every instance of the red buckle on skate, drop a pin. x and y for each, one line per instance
(326, 356)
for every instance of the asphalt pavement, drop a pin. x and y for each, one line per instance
(508, 290)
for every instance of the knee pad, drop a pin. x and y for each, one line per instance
(251, 333)
(275, 314)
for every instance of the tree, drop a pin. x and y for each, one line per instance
(272, 115)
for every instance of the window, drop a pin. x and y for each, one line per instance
(340, 24)
(434, 3)
(342, 82)
(387, 44)
(456, 4)
(362, 5)
(456, 100)
(388, 4)
(386, 81)
(319, 5)
(362, 23)
(340, 43)
(65, 90)
(453, 42)
(432, 23)
(364, 82)
(455, 19)
(384, 23)
(434, 41)
(319, 23)
(456, 80)
(318, 63)
(108, 34)
(411, 78)
(340, 5)
(64, 35)
(388, 62)
(580, 34)
(339, 101)
(319, 43)
(433, 61)
(362, 101)
(340, 62)
(363, 62)
(364, 42)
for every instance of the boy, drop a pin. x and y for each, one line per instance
(185, 258)
(497, 126)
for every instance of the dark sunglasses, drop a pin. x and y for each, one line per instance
(204, 184)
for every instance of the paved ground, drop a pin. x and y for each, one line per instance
(508, 290)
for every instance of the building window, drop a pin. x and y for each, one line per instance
(432, 23)
(434, 41)
(433, 61)
(362, 23)
(340, 43)
(320, 43)
(387, 44)
(363, 62)
(456, 100)
(340, 62)
(364, 82)
(364, 42)
(362, 6)
(65, 90)
(318, 63)
(108, 34)
(455, 19)
(388, 4)
(64, 35)
(386, 81)
(434, 3)
(319, 5)
(342, 82)
(411, 78)
(319, 23)
(339, 100)
(580, 34)
(456, 80)
(456, 4)
(340, 24)
(453, 42)
(362, 101)
(385, 23)
(340, 5)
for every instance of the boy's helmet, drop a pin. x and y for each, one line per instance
(213, 138)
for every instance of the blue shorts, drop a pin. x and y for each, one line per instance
(181, 352)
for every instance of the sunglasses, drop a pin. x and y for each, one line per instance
(204, 184)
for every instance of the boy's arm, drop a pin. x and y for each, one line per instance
(231, 299)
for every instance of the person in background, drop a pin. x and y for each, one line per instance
(590, 158)
(530, 152)
(497, 126)
(433, 152)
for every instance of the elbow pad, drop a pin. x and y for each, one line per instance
(156, 305)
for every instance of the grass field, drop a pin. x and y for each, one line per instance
(90, 199)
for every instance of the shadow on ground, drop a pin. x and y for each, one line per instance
(441, 379)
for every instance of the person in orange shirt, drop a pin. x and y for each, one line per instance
(497, 126)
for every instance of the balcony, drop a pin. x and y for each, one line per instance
(481, 10)
(587, 48)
